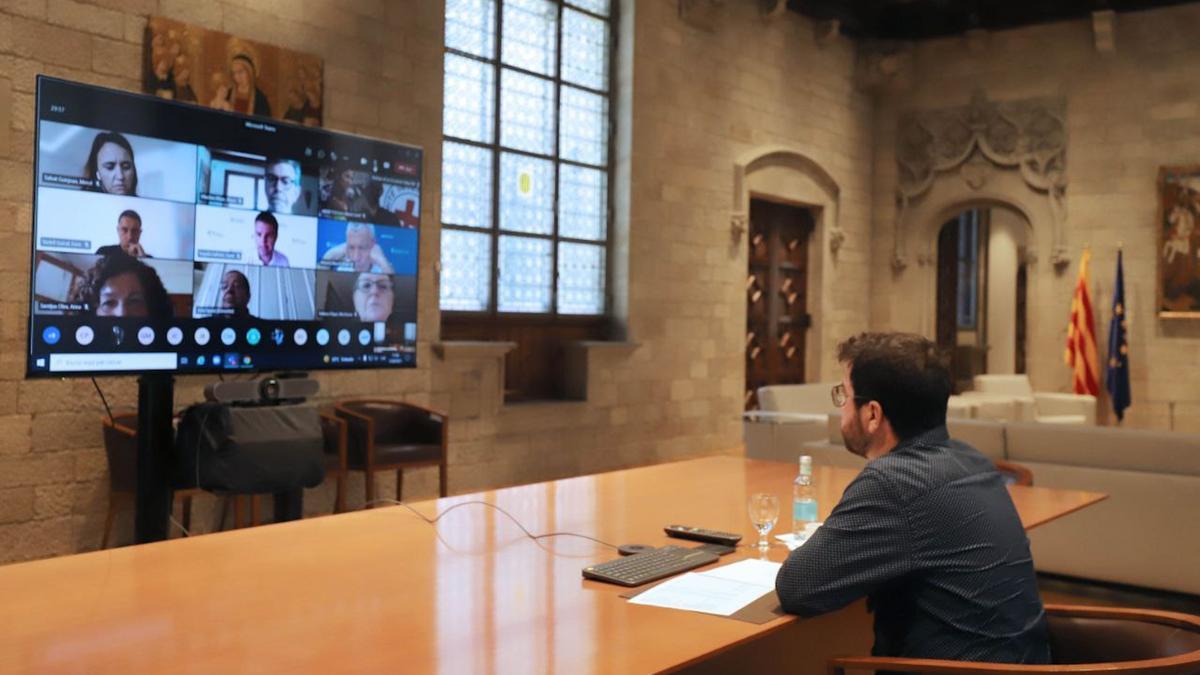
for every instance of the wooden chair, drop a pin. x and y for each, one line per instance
(1083, 639)
(1014, 474)
(335, 432)
(120, 447)
(385, 435)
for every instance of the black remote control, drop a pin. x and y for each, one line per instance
(719, 549)
(700, 534)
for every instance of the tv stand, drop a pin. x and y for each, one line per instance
(155, 440)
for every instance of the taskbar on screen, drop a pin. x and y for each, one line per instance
(90, 345)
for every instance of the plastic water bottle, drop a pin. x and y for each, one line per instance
(804, 498)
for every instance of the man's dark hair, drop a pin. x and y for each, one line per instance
(158, 301)
(130, 213)
(905, 373)
(268, 218)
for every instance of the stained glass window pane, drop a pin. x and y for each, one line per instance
(585, 50)
(584, 130)
(471, 26)
(526, 112)
(600, 7)
(530, 33)
(580, 278)
(526, 194)
(582, 202)
(525, 274)
(467, 99)
(466, 270)
(466, 185)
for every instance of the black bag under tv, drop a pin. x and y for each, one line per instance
(173, 238)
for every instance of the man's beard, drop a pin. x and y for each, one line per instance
(858, 444)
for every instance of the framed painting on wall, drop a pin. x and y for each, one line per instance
(1178, 242)
(197, 65)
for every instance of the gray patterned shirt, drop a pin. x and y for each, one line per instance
(930, 535)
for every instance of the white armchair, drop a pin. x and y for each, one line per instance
(1031, 406)
(789, 416)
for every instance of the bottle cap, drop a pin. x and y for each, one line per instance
(805, 464)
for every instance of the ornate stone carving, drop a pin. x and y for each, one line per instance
(836, 239)
(1029, 135)
(737, 225)
(976, 171)
(884, 67)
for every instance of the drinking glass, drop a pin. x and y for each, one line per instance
(764, 511)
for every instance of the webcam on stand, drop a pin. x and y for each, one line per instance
(285, 388)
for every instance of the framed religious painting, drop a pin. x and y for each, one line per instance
(1179, 242)
(207, 67)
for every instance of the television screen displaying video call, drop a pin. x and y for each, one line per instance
(169, 237)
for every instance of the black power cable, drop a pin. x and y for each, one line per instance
(534, 537)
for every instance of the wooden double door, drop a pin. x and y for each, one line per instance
(777, 317)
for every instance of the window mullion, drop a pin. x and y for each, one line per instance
(557, 150)
(494, 296)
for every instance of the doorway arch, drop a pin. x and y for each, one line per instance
(787, 175)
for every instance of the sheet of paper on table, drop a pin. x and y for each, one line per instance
(721, 591)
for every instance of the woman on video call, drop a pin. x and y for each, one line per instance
(110, 165)
(121, 285)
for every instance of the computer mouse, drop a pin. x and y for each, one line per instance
(631, 549)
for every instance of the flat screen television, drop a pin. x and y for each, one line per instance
(174, 238)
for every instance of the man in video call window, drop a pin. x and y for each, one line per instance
(360, 253)
(266, 233)
(282, 184)
(129, 234)
(235, 294)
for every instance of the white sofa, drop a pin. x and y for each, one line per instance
(1011, 398)
(789, 415)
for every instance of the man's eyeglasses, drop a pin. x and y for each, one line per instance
(839, 396)
(366, 286)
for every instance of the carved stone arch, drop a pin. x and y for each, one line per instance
(783, 157)
(931, 227)
(974, 145)
(791, 176)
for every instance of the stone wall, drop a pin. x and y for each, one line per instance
(701, 98)
(1128, 112)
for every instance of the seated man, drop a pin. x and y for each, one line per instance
(235, 294)
(360, 253)
(266, 233)
(129, 234)
(927, 531)
(282, 184)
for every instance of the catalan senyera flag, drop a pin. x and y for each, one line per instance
(1081, 335)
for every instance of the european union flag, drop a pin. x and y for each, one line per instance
(1117, 379)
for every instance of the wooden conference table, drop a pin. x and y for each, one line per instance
(383, 591)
